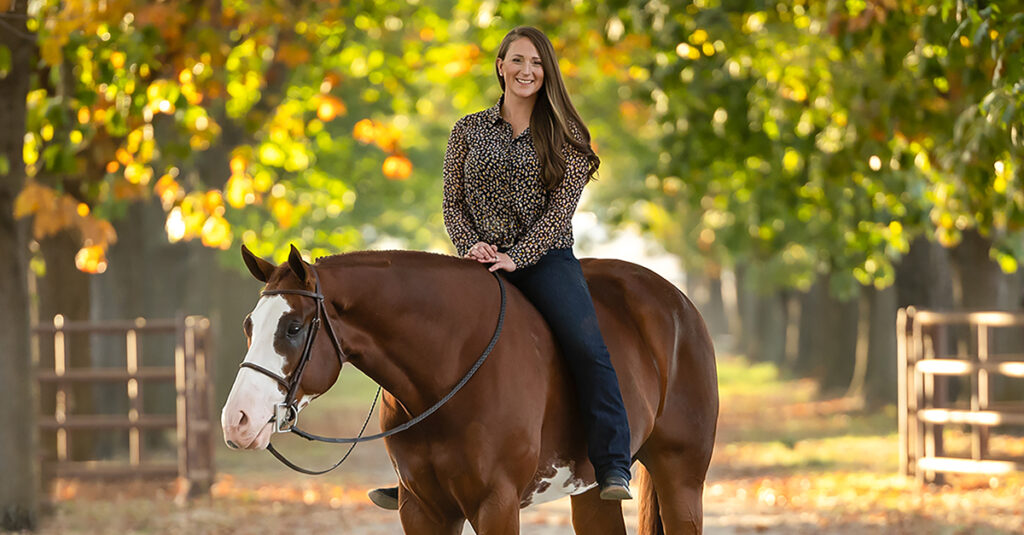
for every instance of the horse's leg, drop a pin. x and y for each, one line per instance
(417, 521)
(679, 490)
(498, 514)
(591, 514)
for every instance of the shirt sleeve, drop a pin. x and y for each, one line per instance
(453, 203)
(557, 216)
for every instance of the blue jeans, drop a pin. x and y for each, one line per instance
(555, 285)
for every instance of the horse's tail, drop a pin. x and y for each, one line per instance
(649, 511)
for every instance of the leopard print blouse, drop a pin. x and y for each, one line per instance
(493, 191)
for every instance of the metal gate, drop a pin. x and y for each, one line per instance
(193, 385)
(924, 360)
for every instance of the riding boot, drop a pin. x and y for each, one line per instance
(385, 498)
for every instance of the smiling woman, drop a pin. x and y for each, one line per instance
(509, 198)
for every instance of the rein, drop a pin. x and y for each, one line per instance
(286, 413)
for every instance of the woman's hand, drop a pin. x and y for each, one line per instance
(483, 252)
(503, 262)
(486, 253)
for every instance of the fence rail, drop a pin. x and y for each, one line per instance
(191, 420)
(923, 338)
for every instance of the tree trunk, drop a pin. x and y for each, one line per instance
(979, 284)
(880, 375)
(828, 339)
(19, 484)
(746, 304)
(706, 292)
(924, 277)
(771, 327)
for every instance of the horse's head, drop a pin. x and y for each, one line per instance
(277, 331)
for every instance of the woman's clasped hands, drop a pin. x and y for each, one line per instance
(486, 253)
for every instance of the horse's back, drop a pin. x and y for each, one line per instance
(661, 351)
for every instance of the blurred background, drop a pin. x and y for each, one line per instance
(800, 169)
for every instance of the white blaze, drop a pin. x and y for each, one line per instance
(254, 393)
(265, 318)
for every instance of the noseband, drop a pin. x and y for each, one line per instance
(286, 413)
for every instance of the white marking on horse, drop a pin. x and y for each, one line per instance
(254, 393)
(563, 483)
(265, 318)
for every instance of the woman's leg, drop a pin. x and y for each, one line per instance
(555, 285)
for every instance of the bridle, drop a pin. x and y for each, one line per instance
(286, 413)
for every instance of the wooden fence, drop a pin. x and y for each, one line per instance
(925, 360)
(191, 376)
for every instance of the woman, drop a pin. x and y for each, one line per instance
(513, 175)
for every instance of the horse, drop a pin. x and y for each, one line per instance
(414, 322)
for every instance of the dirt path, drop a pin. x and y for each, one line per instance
(782, 465)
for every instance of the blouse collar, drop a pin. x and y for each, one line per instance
(494, 112)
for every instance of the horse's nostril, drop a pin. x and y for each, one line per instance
(232, 444)
(243, 419)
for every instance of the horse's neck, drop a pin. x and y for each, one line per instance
(408, 328)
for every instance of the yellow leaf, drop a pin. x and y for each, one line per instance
(51, 51)
(364, 131)
(329, 108)
(283, 211)
(29, 200)
(238, 165)
(91, 259)
(213, 202)
(239, 191)
(217, 232)
(397, 167)
(168, 190)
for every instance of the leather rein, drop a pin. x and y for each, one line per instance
(286, 413)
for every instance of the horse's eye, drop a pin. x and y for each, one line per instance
(294, 328)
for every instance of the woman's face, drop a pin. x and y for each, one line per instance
(521, 69)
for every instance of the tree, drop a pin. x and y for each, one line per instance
(17, 429)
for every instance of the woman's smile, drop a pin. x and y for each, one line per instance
(522, 69)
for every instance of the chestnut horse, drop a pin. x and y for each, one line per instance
(415, 322)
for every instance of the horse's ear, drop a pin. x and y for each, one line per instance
(260, 268)
(297, 264)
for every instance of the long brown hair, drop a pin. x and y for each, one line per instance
(553, 112)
